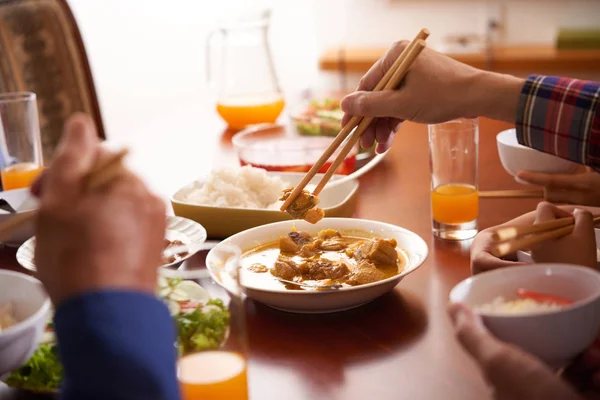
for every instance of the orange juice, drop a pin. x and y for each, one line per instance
(19, 175)
(213, 375)
(241, 111)
(454, 203)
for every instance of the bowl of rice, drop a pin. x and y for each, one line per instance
(24, 308)
(556, 319)
(230, 200)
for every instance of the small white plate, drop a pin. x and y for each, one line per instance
(187, 231)
(316, 302)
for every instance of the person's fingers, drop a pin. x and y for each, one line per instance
(381, 66)
(345, 119)
(385, 146)
(584, 222)
(386, 103)
(485, 261)
(555, 181)
(38, 184)
(367, 139)
(472, 334)
(547, 212)
(75, 156)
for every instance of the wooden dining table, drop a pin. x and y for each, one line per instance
(400, 346)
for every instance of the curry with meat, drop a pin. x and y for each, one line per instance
(328, 258)
(304, 206)
(168, 244)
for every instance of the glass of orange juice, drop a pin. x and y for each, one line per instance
(20, 144)
(212, 340)
(453, 152)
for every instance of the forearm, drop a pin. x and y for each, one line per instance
(561, 116)
(117, 345)
(494, 95)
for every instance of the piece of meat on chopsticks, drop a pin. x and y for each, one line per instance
(304, 206)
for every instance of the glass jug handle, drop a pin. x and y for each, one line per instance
(209, 40)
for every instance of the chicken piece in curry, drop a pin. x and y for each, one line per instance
(329, 258)
(304, 206)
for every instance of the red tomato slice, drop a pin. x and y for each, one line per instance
(189, 305)
(543, 297)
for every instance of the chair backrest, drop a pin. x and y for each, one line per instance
(41, 51)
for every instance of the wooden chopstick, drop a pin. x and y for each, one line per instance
(399, 74)
(100, 174)
(511, 193)
(512, 239)
(347, 129)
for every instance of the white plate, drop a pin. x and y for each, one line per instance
(187, 231)
(23, 202)
(301, 301)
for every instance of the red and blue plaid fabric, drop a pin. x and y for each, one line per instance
(561, 116)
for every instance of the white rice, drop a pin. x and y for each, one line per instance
(516, 307)
(238, 187)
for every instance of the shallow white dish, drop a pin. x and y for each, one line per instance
(31, 306)
(23, 202)
(556, 336)
(300, 301)
(515, 157)
(222, 222)
(191, 233)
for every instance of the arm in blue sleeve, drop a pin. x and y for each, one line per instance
(117, 345)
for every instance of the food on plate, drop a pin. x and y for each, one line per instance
(238, 187)
(171, 258)
(304, 206)
(320, 118)
(202, 324)
(327, 258)
(7, 318)
(527, 301)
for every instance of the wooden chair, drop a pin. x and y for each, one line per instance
(41, 51)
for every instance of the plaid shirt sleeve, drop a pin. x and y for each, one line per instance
(561, 116)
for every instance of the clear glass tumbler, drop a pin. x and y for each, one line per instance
(20, 143)
(211, 324)
(453, 155)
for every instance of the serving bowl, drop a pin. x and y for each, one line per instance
(189, 232)
(221, 222)
(301, 301)
(516, 157)
(554, 336)
(30, 306)
(24, 203)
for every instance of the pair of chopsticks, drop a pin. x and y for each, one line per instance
(390, 80)
(521, 193)
(102, 173)
(512, 238)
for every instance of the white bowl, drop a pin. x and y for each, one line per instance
(31, 306)
(301, 301)
(515, 157)
(555, 337)
(22, 201)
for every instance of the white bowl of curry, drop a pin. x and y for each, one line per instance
(366, 259)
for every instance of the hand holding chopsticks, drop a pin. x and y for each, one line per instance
(390, 80)
(102, 173)
(512, 238)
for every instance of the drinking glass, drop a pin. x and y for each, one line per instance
(453, 154)
(20, 144)
(213, 349)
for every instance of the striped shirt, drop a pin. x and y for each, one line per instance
(561, 116)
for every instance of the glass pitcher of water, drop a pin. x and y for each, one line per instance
(240, 70)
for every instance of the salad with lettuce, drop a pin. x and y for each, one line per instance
(202, 324)
(320, 118)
